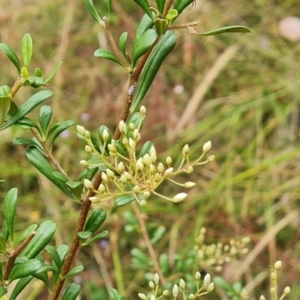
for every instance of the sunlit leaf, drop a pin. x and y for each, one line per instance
(27, 47)
(106, 54)
(236, 28)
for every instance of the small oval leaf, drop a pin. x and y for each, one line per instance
(27, 49)
(144, 4)
(95, 220)
(91, 8)
(22, 283)
(9, 209)
(11, 55)
(25, 269)
(106, 54)
(45, 117)
(123, 42)
(75, 271)
(124, 199)
(72, 291)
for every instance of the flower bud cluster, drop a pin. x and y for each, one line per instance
(123, 165)
(216, 255)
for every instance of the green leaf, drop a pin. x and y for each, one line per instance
(33, 81)
(5, 103)
(25, 269)
(27, 49)
(62, 251)
(95, 220)
(75, 271)
(161, 25)
(9, 209)
(3, 291)
(91, 8)
(37, 159)
(11, 55)
(109, 6)
(160, 5)
(83, 235)
(114, 295)
(52, 74)
(235, 28)
(223, 284)
(106, 54)
(158, 234)
(145, 149)
(27, 124)
(54, 255)
(123, 42)
(42, 274)
(45, 117)
(28, 106)
(25, 233)
(144, 4)
(58, 128)
(28, 142)
(180, 5)
(38, 72)
(172, 15)
(143, 44)
(96, 238)
(145, 24)
(72, 291)
(124, 199)
(22, 283)
(2, 244)
(164, 46)
(76, 187)
(4, 91)
(43, 236)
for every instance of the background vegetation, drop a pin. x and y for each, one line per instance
(245, 92)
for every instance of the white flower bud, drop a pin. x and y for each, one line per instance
(186, 150)
(131, 143)
(262, 297)
(122, 127)
(156, 278)
(135, 134)
(123, 178)
(143, 203)
(166, 293)
(131, 126)
(110, 173)
(105, 135)
(210, 287)
(168, 160)
(206, 146)
(182, 284)
(143, 110)
(128, 176)
(120, 167)
(191, 296)
(88, 149)
(168, 172)
(87, 135)
(80, 129)
(278, 265)
(136, 189)
(146, 194)
(151, 285)
(84, 163)
(179, 197)
(94, 199)
(210, 158)
(125, 141)
(152, 297)
(146, 159)
(101, 188)
(104, 177)
(197, 276)
(206, 280)
(160, 168)
(142, 296)
(112, 147)
(287, 290)
(190, 170)
(175, 290)
(189, 184)
(88, 184)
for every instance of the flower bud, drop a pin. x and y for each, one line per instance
(168, 172)
(136, 189)
(88, 184)
(94, 199)
(262, 297)
(88, 149)
(146, 159)
(104, 177)
(135, 134)
(175, 290)
(80, 129)
(156, 278)
(120, 167)
(190, 169)
(87, 135)
(179, 197)
(186, 150)
(287, 290)
(101, 188)
(123, 178)
(84, 163)
(278, 265)
(146, 194)
(210, 158)
(131, 143)
(206, 146)
(125, 141)
(189, 184)
(206, 280)
(191, 296)
(160, 168)
(142, 296)
(166, 293)
(105, 135)
(197, 276)
(182, 284)
(122, 127)
(143, 203)
(151, 285)
(210, 287)
(143, 110)
(168, 160)
(110, 173)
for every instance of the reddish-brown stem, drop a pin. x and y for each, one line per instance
(15, 254)
(185, 25)
(168, 5)
(15, 88)
(148, 242)
(86, 204)
(48, 152)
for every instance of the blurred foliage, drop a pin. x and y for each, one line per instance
(250, 111)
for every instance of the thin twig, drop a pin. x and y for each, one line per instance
(168, 5)
(15, 254)
(86, 204)
(148, 242)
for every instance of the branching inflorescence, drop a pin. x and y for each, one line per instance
(130, 174)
